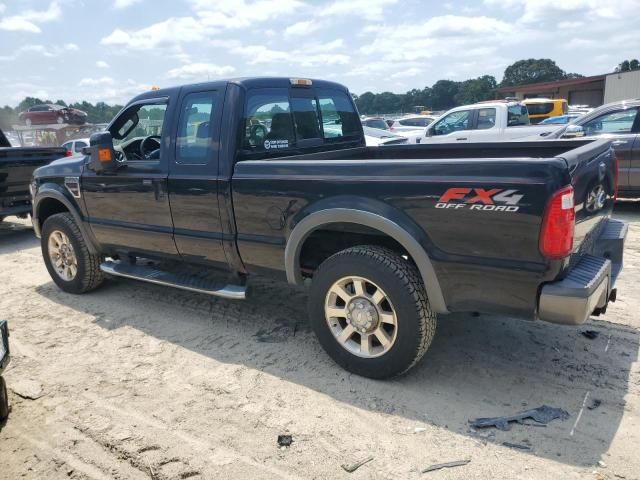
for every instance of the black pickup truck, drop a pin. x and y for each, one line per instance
(227, 179)
(16, 168)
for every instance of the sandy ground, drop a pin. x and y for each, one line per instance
(140, 381)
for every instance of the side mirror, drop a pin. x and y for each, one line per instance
(573, 131)
(428, 133)
(103, 156)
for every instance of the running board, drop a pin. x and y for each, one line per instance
(169, 279)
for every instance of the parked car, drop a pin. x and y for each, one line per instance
(560, 119)
(48, 113)
(484, 122)
(16, 167)
(375, 122)
(76, 145)
(620, 123)
(385, 238)
(411, 122)
(4, 361)
(375, 137)
(541, 108)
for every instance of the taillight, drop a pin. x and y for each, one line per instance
(558, 222)
(68, 153)
(615, 176)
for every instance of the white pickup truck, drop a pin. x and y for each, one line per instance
(483, 122)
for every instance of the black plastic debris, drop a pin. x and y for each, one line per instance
(590, 334)
(285, 440)
(543, 414)
(518, 446)
(439, 466)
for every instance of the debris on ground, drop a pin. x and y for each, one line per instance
(601, 464)
(285, 441)
(590, 334)
(543, 414)
(595, 403)
(438, 466)
(352, 467)
(29, 389)
(519, 446)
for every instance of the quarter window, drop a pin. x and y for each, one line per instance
(195, 129)
(486, 118)
(517, 115)
(339, 118)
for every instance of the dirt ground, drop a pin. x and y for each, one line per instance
(144, 382)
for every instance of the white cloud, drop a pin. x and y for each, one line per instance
(308, 55)
(166, 33)
(3, 7)
(125, 3)
(409, 72)
(49, 52)
(29, 20)
(367, 9)
(102, 64)
(302, 28)
(95, 82)
(200, 70)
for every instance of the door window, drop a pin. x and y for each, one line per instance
(486, 118)
(453, 122)
(620, 121)
(138, 132)
(195, 129)
(79, 146)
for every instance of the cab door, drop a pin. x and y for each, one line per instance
(193, 176)
(129, 210)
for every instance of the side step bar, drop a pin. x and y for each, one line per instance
(169, 279)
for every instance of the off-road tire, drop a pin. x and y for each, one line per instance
(89, 276)
(4, 400)
(399, 278)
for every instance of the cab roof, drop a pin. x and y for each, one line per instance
(244, 82)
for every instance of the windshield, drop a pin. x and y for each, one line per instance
(376, 123)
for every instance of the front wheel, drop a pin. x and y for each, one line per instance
(68, 259)
(370, 312)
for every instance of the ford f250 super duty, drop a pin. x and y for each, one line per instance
(272, 176)
(16, 168)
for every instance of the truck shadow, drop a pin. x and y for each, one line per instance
(477, 366)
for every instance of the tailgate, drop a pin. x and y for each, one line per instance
(16, 168)
(593, 172)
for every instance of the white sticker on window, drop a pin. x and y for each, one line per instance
(276, 144)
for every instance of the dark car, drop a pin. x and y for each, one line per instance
(620, 123)
(46, 114)
(202, 186)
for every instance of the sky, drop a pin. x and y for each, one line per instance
(111, 50)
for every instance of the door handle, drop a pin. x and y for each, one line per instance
(619, 142)
(158, 187)
(461, 138)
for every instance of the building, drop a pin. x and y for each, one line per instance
(622, 86)
(577, 91)
(592, 91)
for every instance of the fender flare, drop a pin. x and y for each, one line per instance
(45, 192)
(369, 219)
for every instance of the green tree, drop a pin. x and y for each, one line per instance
(443, 94)
(476, 90)
(532, 70)
(628, 65)
(634, 64)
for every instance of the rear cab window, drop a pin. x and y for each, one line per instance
(517, 115)
(281, 121)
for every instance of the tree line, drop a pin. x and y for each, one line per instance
(445, 94)
(442, 95)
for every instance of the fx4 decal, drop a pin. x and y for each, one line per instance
(492, 199)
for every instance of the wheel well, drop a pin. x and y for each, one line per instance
(49, 207)
(328, 240)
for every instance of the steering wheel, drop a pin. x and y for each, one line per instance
(254, 137)
(144, 142)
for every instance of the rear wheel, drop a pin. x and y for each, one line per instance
(4, 400)
(66, 255)
(370, 311)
